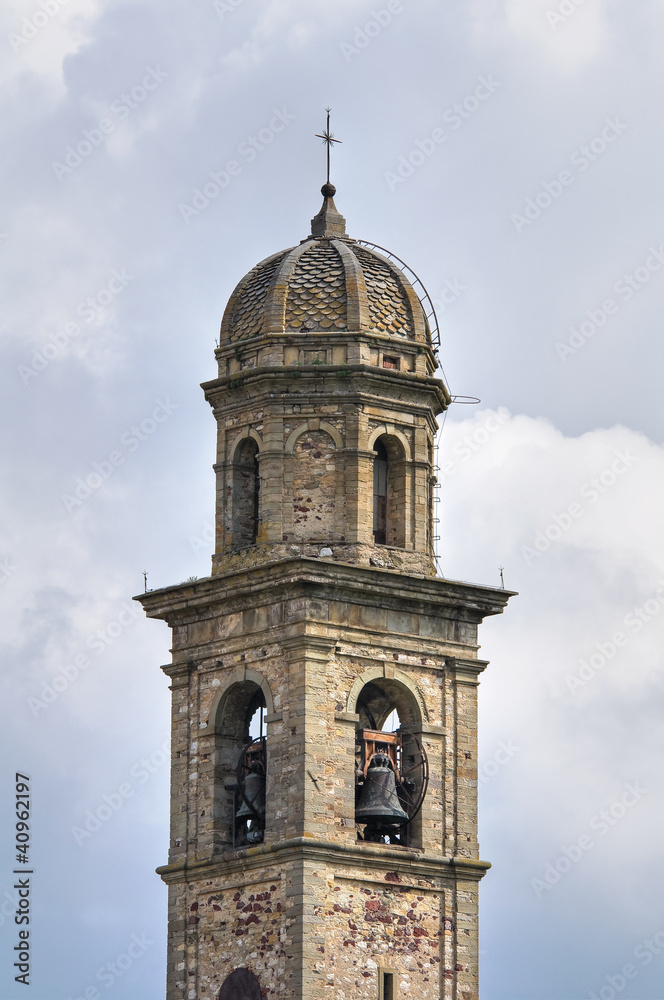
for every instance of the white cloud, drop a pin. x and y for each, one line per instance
(293, 24)
(577, 657)
(40, 37)
(567, 40)
(552, 498)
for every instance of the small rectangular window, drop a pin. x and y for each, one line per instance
(390, 362)
(387, 986)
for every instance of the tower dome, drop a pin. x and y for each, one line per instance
(326, 402)
(329, 283)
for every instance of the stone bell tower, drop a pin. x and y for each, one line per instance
(324, 726)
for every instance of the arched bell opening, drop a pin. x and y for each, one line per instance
(245, 491)
(389, 492)
(240, 766)
(391, 767)
(241, 985)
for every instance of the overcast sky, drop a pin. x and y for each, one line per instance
(510, 151)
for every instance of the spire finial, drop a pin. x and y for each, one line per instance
(328, 139)
(329, 222)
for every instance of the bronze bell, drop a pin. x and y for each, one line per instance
(379, 803)
(254, 792)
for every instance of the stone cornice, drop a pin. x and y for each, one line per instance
(341, 580)
(371, 376)
(306, 644)
(179, 672)
(349, 718)
(465, 670)
(408, 863)
(429, 729)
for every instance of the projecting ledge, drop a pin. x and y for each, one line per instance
(404, 860)
(466, 671)
(431, 594)
(350, 717)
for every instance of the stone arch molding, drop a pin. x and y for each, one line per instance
(390, 431)
(242, 436)
(313, 425)
(382, 672)
(239, 676)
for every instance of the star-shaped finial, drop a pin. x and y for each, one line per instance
(328, 139)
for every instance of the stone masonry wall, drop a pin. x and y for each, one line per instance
(316, 486)
(240, 925)
(315, 438)
(311, 644)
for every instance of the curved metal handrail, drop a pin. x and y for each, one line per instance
(420, 291)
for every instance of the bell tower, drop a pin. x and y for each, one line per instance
(324, 679)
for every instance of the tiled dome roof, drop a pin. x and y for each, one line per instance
(327, 283)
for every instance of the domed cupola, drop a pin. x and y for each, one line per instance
(326, 402)
(329, 283)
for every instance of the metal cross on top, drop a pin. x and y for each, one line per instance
(328, 139)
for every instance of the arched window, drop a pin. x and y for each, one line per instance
(246, 488)
(240, 766)
(241, 985)
(391, 767)
(389, 492)
(380, 494)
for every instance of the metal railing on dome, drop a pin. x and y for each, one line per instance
(432, 319)
(420, 291)
(429, 312)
